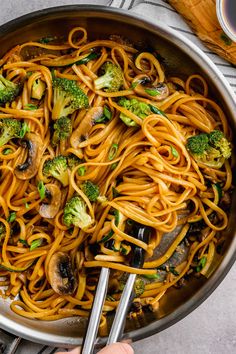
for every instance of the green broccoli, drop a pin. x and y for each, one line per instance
(139, 108)
(57, 168)
(75, 213)
(9, 128)
(73, 160)
(112, 78)
(62, 130)
(67, 97)
(209, 149)
(139, 287)
(218, 141)
(38, 89)
(91, 190)
(8, 90)
(2, 231)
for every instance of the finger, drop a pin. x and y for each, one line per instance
(74, 351)
(117, 348)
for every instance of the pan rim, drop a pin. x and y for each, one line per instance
(198, 56)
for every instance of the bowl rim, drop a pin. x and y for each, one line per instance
(196, 55)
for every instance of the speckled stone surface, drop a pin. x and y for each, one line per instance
(211, 328)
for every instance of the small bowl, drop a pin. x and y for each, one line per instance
(224, 20)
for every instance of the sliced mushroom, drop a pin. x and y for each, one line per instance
(61, 275)
(30, 167)
(85, 125)
(143, 87)
(49, 210)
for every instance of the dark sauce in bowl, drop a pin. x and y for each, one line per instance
(229, 13)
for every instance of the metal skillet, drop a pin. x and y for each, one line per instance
(187, 59)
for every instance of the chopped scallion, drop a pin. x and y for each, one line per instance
(174, 152)
(24, 129)
(12, 216)
(35, 244)
(152, 92)
(7, 151)
(41, 189)
(113, 151)
(30, 107)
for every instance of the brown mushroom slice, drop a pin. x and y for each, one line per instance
(85, 125)
(30, 167)
(142, 86)
(50, 210)
(61, 275)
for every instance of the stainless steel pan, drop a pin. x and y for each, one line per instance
(181, 58)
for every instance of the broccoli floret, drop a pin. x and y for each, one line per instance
(139, 287)
(9, 128)
(2, 231)
(112, 78)
(209, 149)
(38, 89)
(91, 190)
(62, 130)
(8, 90)
(75, 213)
(57, 168)
(139, 108)
(218, 141)
(72, 161)
(67, 97)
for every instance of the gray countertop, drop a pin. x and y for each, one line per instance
(211, 328)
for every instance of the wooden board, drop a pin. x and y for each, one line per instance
(201, 16)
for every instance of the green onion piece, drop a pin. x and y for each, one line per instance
(174, 151)
(35, 244)
(173, 271)
(107, 113)
(115, 249)
(7, 151)
(41, 189)
(134, 84)
(117, 217)
(107, 237)
(46, 40)
(82, 170)
(115, 192)
(30, 107)
(113, 151)
(26, 204)
(225, 39)
(29, 73)
(114, 165)
(219, 189)
(12, 216)
(123, 250)
(152, 92)
(156, 110)
(91, 56)
(152, 276)
(201, 264)
(25, 129)
(24, 242)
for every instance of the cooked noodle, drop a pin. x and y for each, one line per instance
(151, 179)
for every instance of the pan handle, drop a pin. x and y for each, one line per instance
(8, 343)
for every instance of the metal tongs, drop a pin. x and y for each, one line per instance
(142, 233)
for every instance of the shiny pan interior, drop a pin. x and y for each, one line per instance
(181, 58)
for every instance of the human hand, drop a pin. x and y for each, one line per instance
(116, 348)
